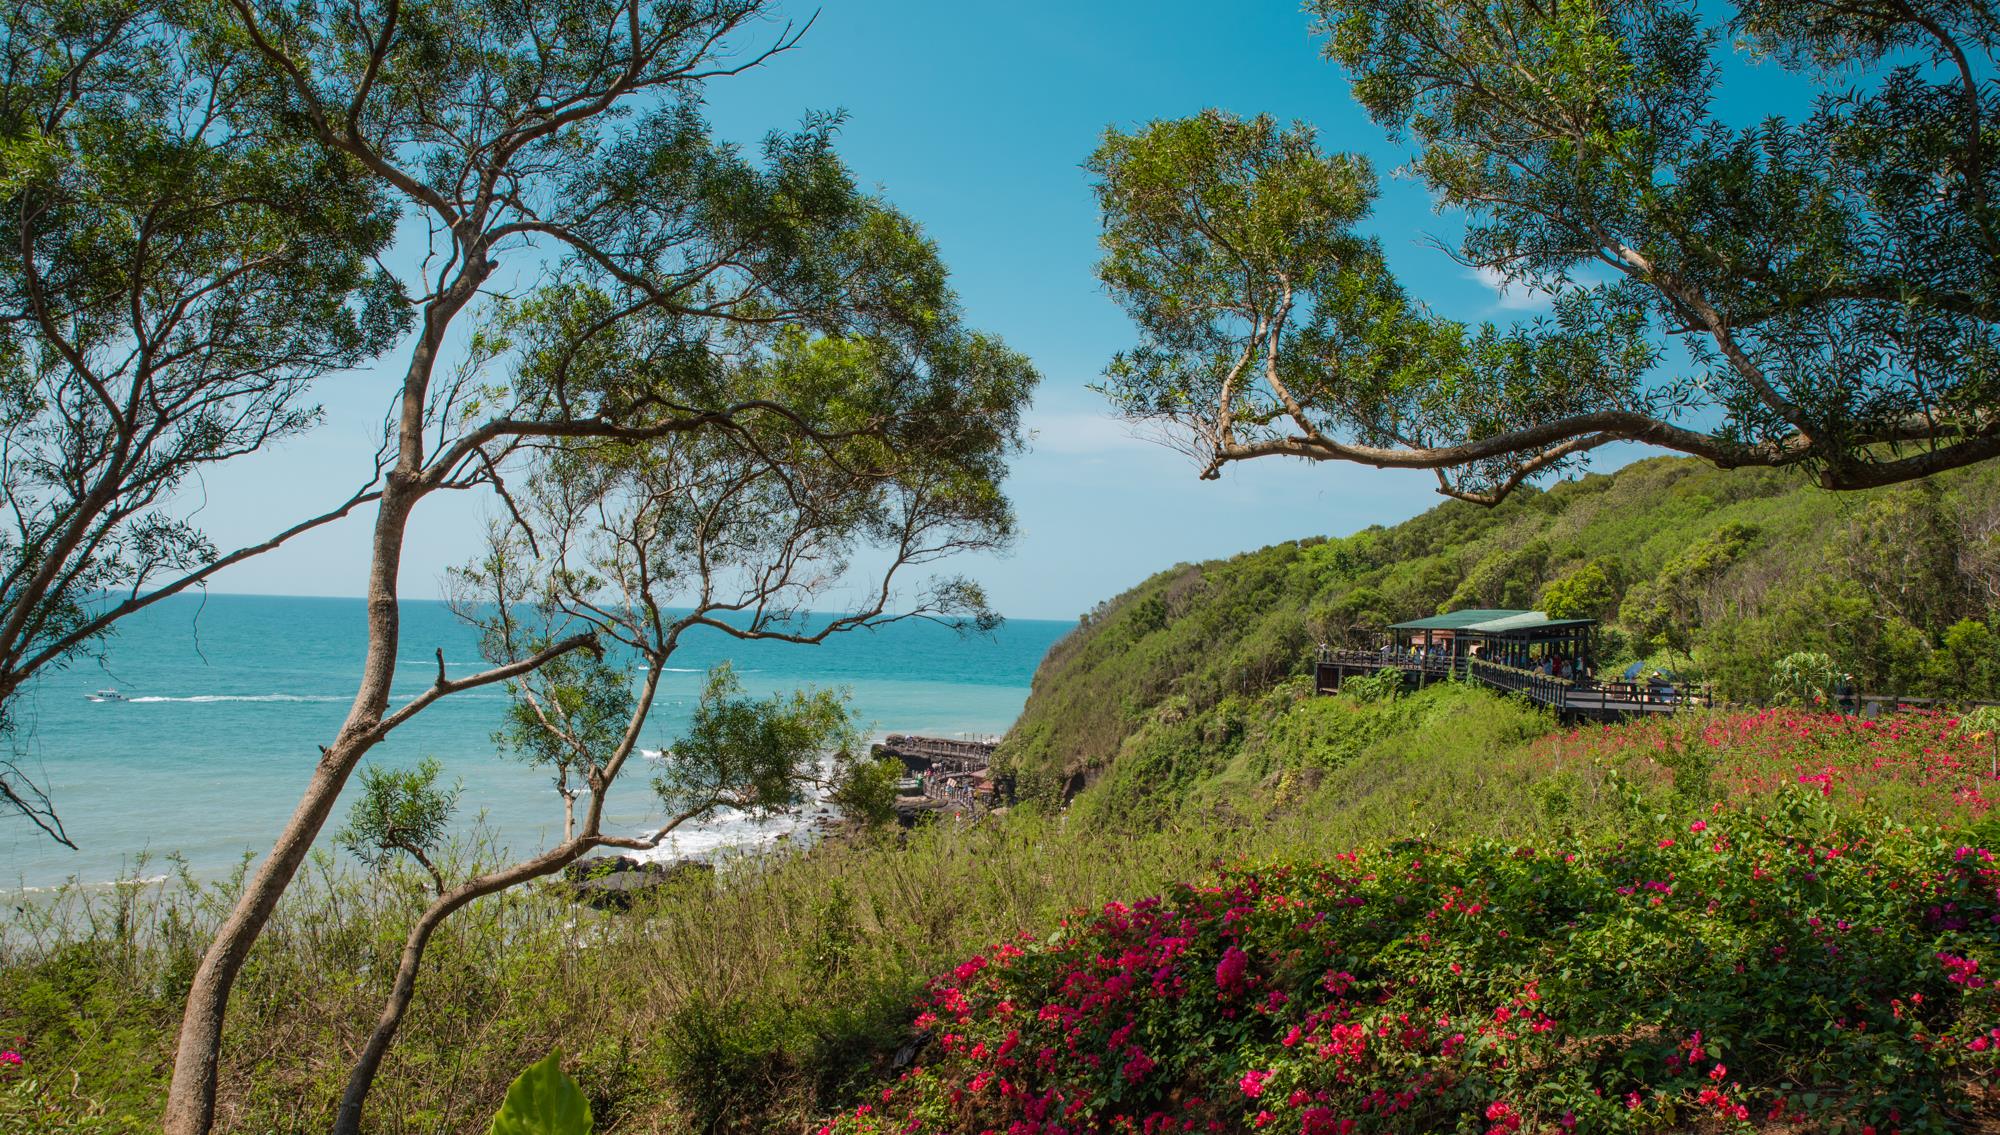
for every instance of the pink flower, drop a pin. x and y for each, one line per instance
(10, 1057)
(1252, 1083)
(1698, 826)
(1230, 970)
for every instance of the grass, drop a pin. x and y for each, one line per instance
(748, 1005)
(774, 994)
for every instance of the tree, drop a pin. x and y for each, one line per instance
(743, 531)
(747, 754)
(1666, 610)
(1805, 678)
(572, 707)
(1834, 281)
(729, 321)
(1503, 578)
(177, 266)
(1589, 592)
(402, 812)
(1904, 547)
(865, 791)
(1967, 665)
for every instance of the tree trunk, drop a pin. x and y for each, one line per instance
(362, 1078)
(197, 1057)
(198, 1053)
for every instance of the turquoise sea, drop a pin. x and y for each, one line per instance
(231, 695)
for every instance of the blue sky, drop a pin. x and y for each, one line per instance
(976, 119)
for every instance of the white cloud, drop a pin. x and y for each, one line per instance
(1511, 297)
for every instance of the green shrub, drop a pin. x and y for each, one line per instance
(1385, 684)
(1805, 678)
(1794, 964)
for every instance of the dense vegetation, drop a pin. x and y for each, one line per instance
(1811, 970)
(781, 990)
(1184, 687)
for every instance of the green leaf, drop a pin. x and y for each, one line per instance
(543, 1100)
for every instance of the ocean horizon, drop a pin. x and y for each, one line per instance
(229, 697)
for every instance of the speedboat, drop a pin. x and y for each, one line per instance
(107, 694)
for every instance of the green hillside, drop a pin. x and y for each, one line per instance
(1191, 685)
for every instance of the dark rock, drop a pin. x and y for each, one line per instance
(910, 1049)
(614, 882)
(914, 810)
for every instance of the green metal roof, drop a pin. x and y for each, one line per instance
(1527, 621)
(1490, 622)
(1459, 620)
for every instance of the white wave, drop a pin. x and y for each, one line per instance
(705, 669)
(76, 884)
(206, 698)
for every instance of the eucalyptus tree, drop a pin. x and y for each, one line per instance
(1818, 292)
(793, 526)
(177, 266)
(553, 169)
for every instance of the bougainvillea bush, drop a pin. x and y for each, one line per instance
(1918, 762)
(1794, 968)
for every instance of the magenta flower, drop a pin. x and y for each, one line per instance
(1230, 970)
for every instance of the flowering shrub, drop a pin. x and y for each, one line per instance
(1792, 969)
(30, 1104)
(1930, 763)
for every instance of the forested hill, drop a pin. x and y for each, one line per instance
(1717, 574)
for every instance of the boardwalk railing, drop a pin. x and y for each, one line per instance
(1543, 688)
(1565, 696)
(938, 747)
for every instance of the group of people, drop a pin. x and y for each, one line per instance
(1555, 664)
(944, 787)
(1563, 666)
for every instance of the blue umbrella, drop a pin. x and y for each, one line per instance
(1632, 671)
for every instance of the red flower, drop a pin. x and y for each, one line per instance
(1230, 971)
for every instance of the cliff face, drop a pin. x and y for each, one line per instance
(1703, 571)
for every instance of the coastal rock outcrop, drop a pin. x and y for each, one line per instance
(614, 882)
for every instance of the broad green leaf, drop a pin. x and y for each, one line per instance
(543, 1100)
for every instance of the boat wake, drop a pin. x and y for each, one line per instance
(199, 699)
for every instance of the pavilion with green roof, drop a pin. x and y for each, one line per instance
(1507, 650)
(1509, 637)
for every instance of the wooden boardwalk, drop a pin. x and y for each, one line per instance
(1571, 700)
(947, 770)
(940, 752)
